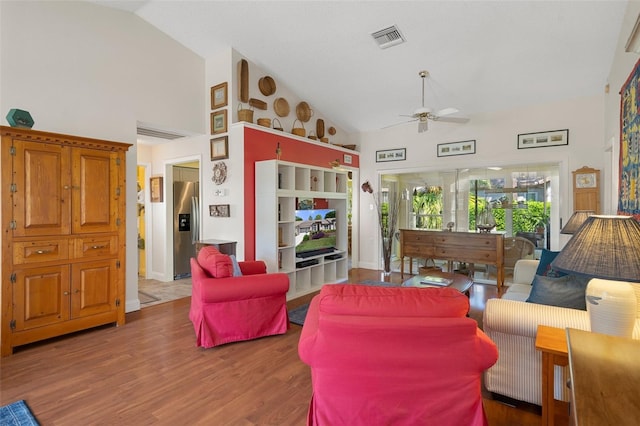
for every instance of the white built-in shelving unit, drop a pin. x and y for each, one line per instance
(279, 185)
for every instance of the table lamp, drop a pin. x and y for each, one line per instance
(606, 248)
(576, 220)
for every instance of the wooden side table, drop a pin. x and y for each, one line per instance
(605, 379)
(552, 342)
(223, 246)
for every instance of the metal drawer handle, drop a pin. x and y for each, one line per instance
(98, 247)
(44, 251)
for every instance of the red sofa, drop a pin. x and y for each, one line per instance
(394, 356)
(227, 308)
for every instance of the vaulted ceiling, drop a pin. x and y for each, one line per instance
(482, 55)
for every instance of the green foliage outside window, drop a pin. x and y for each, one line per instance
(427, 204)
(525, 219)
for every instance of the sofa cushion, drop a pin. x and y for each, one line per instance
(567, 291)
(544, 267)
(364, 300)
(216, 264)
(519, 292)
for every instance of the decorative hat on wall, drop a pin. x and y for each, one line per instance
(20, 118)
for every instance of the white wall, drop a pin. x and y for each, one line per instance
(496, 144)
(88, 70)
(621, 67)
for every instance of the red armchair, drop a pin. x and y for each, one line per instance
(227, 308)
(394, 356)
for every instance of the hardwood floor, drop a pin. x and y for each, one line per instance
(150, 372)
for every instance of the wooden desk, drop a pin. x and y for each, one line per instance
(223, 246)
(552, 343)
(605, 379)
(470, 247)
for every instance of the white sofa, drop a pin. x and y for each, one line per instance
(512, 323)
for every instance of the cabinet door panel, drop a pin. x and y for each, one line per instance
(95, 180)
(93, 288)
(41, 201)
(41, 296)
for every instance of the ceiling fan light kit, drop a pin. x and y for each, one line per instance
(423, 114)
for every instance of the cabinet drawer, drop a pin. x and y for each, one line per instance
(92, 247)
(26, 252)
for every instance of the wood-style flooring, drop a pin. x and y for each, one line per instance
(150, 372)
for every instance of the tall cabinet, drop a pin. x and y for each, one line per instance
(280, 186)
(63, 242)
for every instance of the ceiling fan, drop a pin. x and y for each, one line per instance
(423, 114)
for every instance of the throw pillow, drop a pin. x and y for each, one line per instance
(216, 264)
(236, 267)
(544, 267)
(567, 291)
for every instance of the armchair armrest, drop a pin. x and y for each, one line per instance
(214, 290)
(252, 267)
(522, 318)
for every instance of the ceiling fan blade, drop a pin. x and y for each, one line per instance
(423, 126)
(460, 120)
(446, 111)
(398, 124)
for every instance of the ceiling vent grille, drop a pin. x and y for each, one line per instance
(388, 37)
(159, 133)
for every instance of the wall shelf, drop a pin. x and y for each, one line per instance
(278, 185)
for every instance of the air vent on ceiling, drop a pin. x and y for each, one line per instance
(159, 133)
(388, 37)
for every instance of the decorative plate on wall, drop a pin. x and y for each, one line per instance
(219, 173)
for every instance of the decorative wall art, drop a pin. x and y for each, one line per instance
(220, 148)
(629, 165)
(219, 96)
(155, 187)
(456, 148)
(219, 122)
(399, 154)
(219, 173)
(543, 139)
(219, 210)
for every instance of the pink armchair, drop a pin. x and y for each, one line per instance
(394, 356)
(227, 308)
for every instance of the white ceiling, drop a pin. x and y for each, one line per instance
(482, 55)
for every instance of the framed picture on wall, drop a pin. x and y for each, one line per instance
(220, 148)
(155, 187)
(219, 96)
(219, 210)
(219, 122)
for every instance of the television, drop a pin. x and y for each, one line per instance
(315, 232)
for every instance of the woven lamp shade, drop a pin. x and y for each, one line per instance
(576, 220)
(605, 247)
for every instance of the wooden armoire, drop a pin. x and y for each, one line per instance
(63, 239)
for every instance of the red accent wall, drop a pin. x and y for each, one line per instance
(259, 146)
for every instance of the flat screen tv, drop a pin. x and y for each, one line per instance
(315, 232)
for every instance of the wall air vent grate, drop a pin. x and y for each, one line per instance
(159, 133)
(388, 37)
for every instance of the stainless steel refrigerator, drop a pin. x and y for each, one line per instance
(186, 226)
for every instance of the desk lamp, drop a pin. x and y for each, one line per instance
(606, 248)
